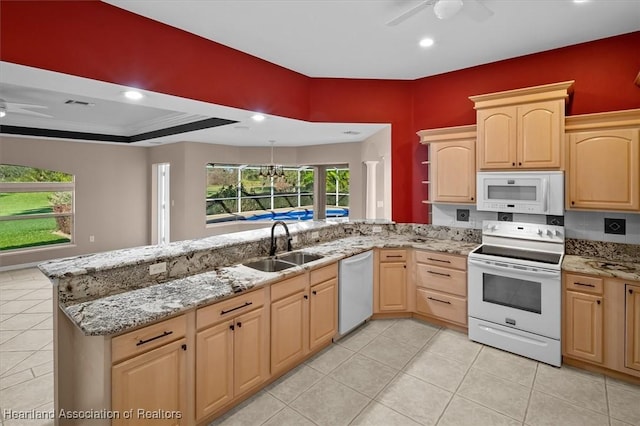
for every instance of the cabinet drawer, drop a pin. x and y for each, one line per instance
(442, 279)
(323, 274)
(442, 306)
(287, 287)
(230, 308)
(147, 338)
(393, 255)
(442, 259)
(583, 283)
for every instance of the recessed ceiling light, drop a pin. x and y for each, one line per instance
(351, 132)
(3, 112)
(426, 42)
(258, 117)
(580, 1)
(134, 95)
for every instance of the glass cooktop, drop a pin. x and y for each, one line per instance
(519, 254)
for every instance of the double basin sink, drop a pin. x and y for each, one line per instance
(282, 262)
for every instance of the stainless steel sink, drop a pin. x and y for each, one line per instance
(270, 265)
(300, 257)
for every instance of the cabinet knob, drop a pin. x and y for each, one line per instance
(573, 202)
(471, 198)
(598, 302)
(184, 347)
(306, 296)
(630, 291)
(519, 164)
(513, 164)
(314, 292)
(232, 327)
(239, 324)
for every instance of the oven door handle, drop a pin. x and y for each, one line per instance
(537, 272)
(545, 195)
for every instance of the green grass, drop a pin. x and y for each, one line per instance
(16, 234)
(21, 203)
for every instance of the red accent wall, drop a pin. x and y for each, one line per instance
(92, 39)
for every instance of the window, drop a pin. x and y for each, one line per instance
(36, 207)
(237, 192)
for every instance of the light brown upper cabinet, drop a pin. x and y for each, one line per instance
(452, 161)
(521, 128)
(603, 161)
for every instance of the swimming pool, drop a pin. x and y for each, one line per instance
(306, 214)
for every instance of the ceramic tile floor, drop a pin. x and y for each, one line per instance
(388, 372)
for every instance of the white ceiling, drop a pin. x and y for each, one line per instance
(319, 38)
(350, 38)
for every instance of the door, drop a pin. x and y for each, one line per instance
(250, 351)
(604, 170)
(632, 359)
(323, 313)
(583, 326)
(289, 330)
(393, 286)
(161, 219)
(497, 138)
(525, 299)
(214, 368)
(539, 132)
(453, 174)
(155, 380)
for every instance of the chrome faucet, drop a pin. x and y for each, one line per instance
(272, 250)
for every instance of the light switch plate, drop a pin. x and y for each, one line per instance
(376, 229)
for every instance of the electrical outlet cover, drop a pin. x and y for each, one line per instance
(505, 217)
(157, 268)
(615, 226)
(462, 215)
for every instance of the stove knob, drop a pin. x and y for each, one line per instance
(557, 233)
(549, 233)
(539, 231)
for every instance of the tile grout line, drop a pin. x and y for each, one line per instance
(526, 411)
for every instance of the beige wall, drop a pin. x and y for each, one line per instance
(114, 185)
(111, 201)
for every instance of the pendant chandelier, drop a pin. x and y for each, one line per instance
(271, 170)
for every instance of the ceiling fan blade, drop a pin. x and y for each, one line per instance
(477, 10)
(409, 13)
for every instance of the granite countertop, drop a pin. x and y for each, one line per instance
(122, 312)
(602, 267)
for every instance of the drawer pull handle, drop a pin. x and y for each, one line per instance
(583, 284)
(160, 336)
(236, 308)
(393, 255)
(438, 260)
(439, 273)
(438, 300)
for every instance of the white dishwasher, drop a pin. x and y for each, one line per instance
(356, 291)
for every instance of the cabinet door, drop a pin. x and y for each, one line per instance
(250, 351)
(214, 368)
(632, 359)
(496, 138)
(323, 313)
(583, 326)
(155, 380)
(539, 134)
(604, 170)
(289, 330)
(453, 173)
(393, 286)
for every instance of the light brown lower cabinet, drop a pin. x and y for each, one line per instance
(289, 329)
(231, 351)
(323, 313)
(601, 323)
(441, 286)
(392, 281)
(151, 382)
(584, 326)
(632, 355)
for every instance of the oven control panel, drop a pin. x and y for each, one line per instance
(523, 230)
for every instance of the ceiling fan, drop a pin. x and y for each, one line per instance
(16, 108)
(445, 9)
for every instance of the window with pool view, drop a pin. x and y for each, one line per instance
(239, 192)
(36, 207)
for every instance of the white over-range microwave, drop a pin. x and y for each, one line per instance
(521, 192)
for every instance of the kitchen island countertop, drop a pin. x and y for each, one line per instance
(121, 312)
